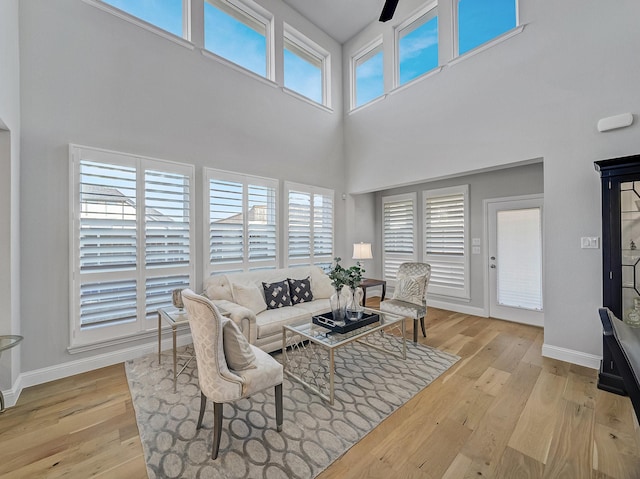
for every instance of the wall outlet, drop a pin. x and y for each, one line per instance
(475, 241)
(590, 242)
(475, 250)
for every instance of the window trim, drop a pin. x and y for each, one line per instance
(312, 49)
(365, 53)
(94, 337)
(445, 291)
(412, 23)
(212, 173)
(312, 190)
(248, 8)
(413, 197)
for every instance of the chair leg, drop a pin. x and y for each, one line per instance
(415, 330)
(217, 429)
(203, 406)
(424, 332)
(279, 407)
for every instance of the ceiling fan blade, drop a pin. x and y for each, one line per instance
(388, 10)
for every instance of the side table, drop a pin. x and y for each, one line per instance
(370, 283)
(174, 317)
(7, 342)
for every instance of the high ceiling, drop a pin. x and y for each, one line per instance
(341, 19)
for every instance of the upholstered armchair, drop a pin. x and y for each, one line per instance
(229, 368)
(410, 295)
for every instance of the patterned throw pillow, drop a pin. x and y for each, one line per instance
(410, 289)
(277, 294)
(300, 290)
(237, 351)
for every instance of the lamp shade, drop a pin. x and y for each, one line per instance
(362, 251)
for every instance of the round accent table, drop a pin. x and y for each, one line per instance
(7, 342)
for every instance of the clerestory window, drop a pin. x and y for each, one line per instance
(241, 32)
(482, 21)
(169, 15)
(417, 41)
(367, 74)
(306, 67)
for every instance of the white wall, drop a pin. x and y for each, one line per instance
(93, 79)
(538, 94)
(9, 186)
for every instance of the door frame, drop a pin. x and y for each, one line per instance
(485, 251)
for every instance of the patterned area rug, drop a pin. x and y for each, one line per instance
(369, 387)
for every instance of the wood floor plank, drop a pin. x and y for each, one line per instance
(571, 453)
(488, 442)
(514, 464)
(615, 453)
(533, 433)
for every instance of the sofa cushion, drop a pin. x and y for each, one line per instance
(218, 287)
(276, 295)
(300, 290)
(317, 306)
(249, 296)
(237, 350)
(270, 322)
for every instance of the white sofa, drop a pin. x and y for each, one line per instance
(239, 294)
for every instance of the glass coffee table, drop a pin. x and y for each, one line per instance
(308, 350)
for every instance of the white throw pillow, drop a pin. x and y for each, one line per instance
(410, 289)
(218, 287)
(321, 286)
(237, 350)
(249, 296)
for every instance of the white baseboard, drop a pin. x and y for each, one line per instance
(59, 371)
(571, 356)
(458, 308)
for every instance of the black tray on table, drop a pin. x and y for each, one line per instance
(326, 321)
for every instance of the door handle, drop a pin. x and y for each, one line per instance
(492, 266)
(492, 258)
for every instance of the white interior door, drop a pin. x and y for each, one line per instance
(515, 260)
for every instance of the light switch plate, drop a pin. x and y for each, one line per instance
(590, 242)
(475, 241)
(475, 250)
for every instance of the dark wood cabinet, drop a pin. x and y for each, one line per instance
(620, 179)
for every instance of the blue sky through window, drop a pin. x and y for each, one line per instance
(165, 14)
(482, 20)
(369, 79)
(302, 77)
(231, 39)
(419, 51)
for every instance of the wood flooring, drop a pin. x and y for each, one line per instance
(502, 411)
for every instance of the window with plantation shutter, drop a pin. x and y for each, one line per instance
(399, 233)
(309, 225)
(131, 243)
(445, 240)
(242, 219)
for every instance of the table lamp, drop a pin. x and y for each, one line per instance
(362, 251)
